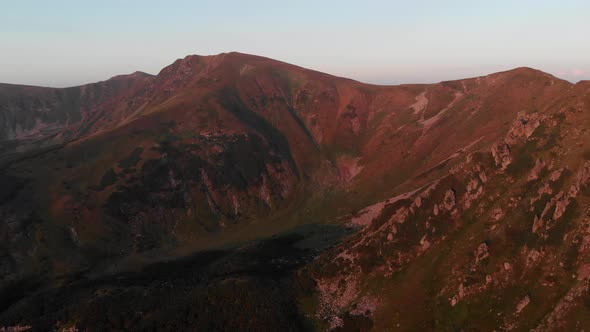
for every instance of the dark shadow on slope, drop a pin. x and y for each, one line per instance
(244, 289)
(231, 102)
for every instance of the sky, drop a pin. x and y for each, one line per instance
(64, 42)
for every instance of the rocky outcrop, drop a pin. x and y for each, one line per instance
(523, 127)
(558, 205)
(502, 157)
(523, 304)
(536, 171)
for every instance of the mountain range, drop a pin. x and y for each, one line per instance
(237, 192)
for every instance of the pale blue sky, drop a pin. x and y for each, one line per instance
(67, 42)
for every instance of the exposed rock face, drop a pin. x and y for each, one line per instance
(497, 214)
(555, 209)
(502, 155)
(536, 171)
(481, 253)
(449, 200)
(523, 127)
(522, 304)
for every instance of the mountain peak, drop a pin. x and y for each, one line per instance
(136, 74)
(526, 72)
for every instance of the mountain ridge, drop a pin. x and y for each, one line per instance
(260, 57)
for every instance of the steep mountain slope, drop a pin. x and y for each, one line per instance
(466, 199)
(36, 117)
(29, 111)
(499, 242)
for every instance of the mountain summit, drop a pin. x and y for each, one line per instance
(273, 197)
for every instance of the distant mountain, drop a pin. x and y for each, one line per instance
(272, 197)
(29, 111)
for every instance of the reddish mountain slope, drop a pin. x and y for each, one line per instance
(28, 111)
(464, 196)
